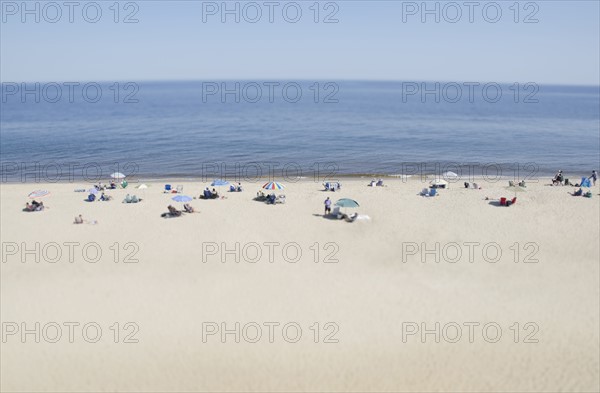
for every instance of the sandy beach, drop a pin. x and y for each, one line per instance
(511, 304)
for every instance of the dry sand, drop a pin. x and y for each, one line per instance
(365, 301)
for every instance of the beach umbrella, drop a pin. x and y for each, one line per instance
(93, 190)
(142, 187)
(273, 186)
(219, 183)
(38, 194)
(181, 198)
(346, 202)
(117, 175)
(438, 182)
(450, 175)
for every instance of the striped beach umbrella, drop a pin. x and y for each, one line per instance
(39, 194)
(273, 186)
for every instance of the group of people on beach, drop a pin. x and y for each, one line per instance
(34, 206)
(560, 180)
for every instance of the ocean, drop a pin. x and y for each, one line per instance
(161, 130)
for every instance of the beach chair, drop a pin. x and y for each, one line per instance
(179, 189)
(280, 199)
(167, 188)
(336, 213)
(503, 201)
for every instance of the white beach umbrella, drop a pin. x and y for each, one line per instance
(118, 175)
(438, 182)
(450, 175)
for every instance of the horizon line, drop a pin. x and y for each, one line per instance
(558, 84)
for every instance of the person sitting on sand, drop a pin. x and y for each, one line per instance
(207, 194)
(372, 183)
(522, 183)
(214, 194)
(578, 192)
(78, 220)
(379, 183)
(174, 212)
(189, 209)
(558, 179)
(239, 187)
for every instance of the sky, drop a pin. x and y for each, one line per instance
(374, 40)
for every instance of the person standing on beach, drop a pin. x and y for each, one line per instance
(594, 177)
(327, 205)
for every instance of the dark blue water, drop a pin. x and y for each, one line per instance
(353, 127)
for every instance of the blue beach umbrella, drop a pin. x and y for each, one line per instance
(219, 183)
(93, 191)
(346, 202)
(181, 198)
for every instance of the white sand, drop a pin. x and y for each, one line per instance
(368, 294)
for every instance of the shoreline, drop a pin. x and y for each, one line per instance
(304, 179)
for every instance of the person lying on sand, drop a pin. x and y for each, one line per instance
(172, 212)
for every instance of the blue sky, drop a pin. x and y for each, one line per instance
(370, 41)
